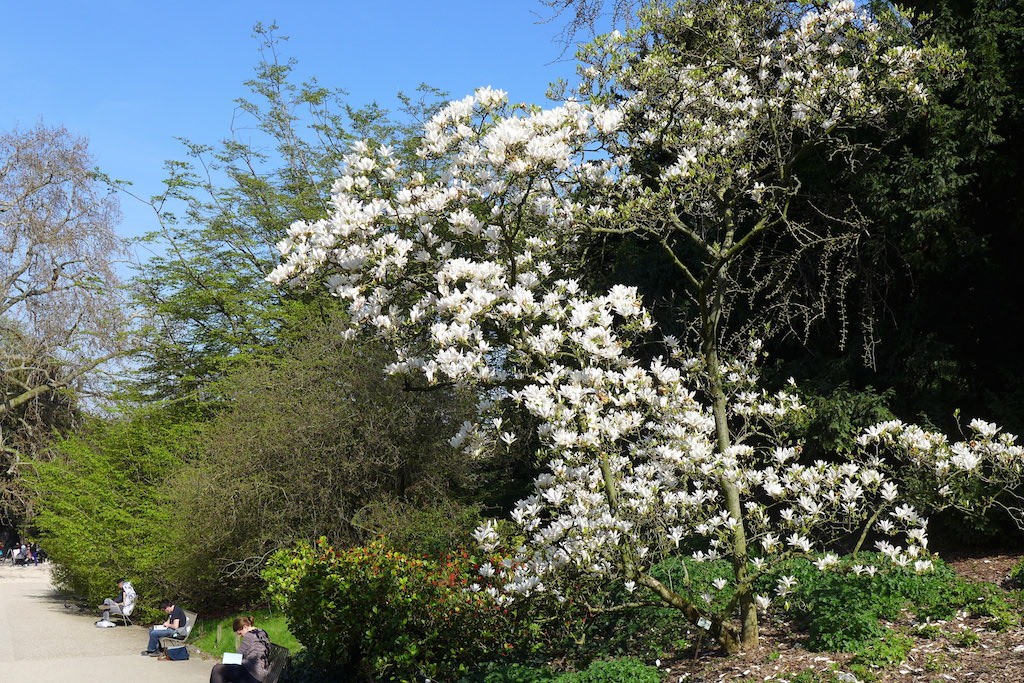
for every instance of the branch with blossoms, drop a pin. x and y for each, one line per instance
(983, 471)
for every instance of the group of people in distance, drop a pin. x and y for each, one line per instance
(254, 646)
(24, 554)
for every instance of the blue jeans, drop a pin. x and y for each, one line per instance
(156, 634)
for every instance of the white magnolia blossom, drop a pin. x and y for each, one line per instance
(987, 468)
(461, 274)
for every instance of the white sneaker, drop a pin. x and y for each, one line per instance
(103, 623)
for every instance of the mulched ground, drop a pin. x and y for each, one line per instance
(952, 654)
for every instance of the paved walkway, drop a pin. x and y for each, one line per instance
(42, 642)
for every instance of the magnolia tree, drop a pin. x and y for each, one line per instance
(468, 277)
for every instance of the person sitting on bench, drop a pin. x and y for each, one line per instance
(255, 651)
(123, 604)
(173, 625)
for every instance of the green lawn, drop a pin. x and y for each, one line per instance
(205, 636)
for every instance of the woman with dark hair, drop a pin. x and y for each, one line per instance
(255, 650)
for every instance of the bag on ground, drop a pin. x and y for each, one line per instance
(178, 653)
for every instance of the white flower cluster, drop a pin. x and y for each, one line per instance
(990, 451)
(728, 114)
(634, 469)
(469, 254)
(985, 469)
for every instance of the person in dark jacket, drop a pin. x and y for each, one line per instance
(255, 650)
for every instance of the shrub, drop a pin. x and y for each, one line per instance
(312, 441)
(377, 613)
(625, 670)
(511, 673)
(836, 415)
(102, 510)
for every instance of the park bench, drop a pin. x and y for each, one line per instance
(278, 661)
(178, 639)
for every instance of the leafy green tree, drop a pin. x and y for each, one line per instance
(223, 210)
(314, 442)
(102, 508)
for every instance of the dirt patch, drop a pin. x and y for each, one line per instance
(981, 567)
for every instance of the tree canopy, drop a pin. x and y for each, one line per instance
(61, 311)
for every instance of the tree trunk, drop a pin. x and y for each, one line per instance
(711, 310)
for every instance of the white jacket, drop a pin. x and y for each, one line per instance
(129, 598)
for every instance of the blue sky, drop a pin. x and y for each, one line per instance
(132, 75)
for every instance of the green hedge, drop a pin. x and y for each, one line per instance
(372, 612)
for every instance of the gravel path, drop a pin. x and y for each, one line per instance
(42, 642)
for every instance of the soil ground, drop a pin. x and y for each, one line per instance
(996, 657)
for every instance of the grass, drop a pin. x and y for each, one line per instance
(205, 635)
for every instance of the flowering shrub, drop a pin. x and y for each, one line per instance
(373, 611)
(465, 276)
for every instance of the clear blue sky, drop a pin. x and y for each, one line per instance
(132, 75)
